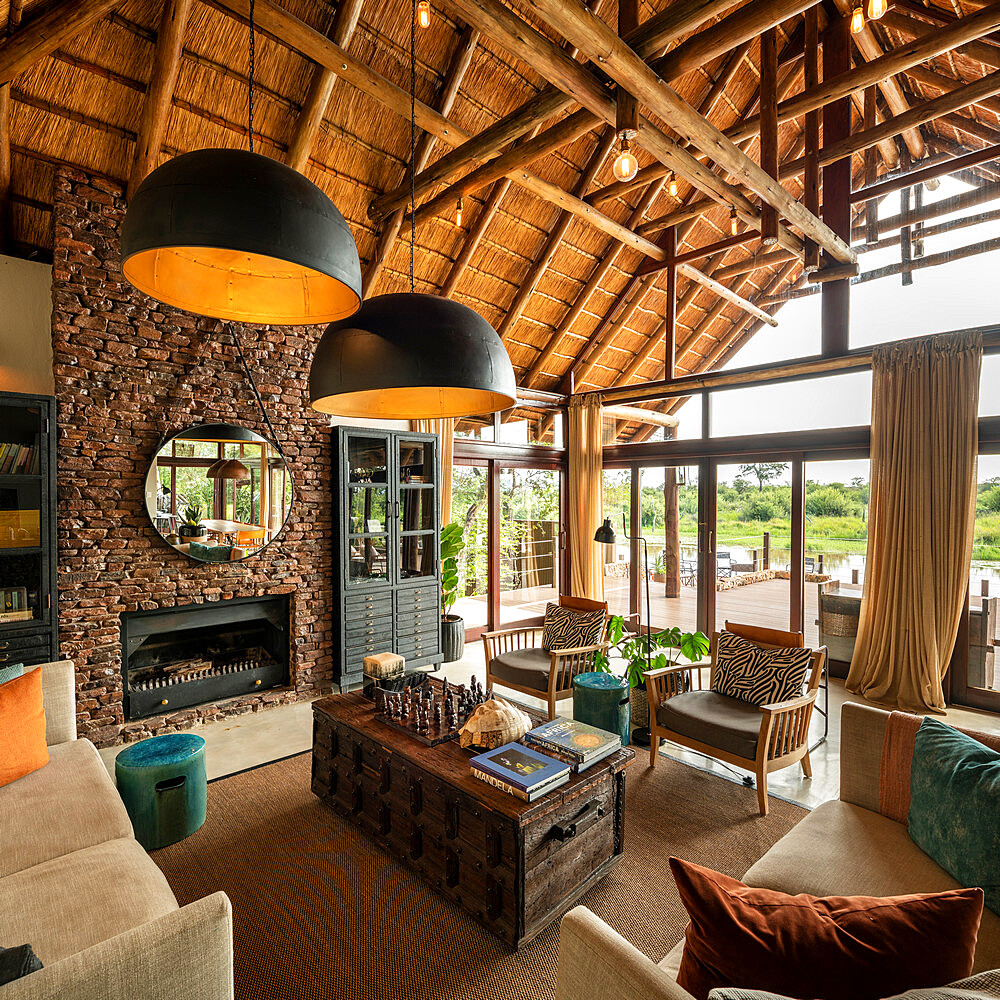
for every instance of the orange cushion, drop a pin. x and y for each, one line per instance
(22, 727)
(830, 948)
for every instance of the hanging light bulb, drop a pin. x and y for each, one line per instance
(733, 221)
(626, 166)
(876, 8)
(424, 13)
(458, 213)
(857, 19)
(672, 186)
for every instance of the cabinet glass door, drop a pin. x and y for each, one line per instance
(368, 509)
(23, 592)
(418, 508)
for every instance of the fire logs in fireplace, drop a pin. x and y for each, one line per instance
(178, 657)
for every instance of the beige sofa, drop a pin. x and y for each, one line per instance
(844, 847)
(77, 887)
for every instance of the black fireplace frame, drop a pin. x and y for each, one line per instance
(139, 626)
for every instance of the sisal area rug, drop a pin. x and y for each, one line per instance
(320, 912)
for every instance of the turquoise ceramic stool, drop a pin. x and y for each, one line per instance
(163, 785)
(601, 700)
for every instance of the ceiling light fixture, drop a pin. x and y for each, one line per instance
(227, 468)
(409, 355)
(734, 220)
(238, 236)
(458, 213)
(424, 14)
(626, 166)
(857, 20)
(672, 186)
(876, 8)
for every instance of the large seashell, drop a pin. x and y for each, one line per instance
(492, 724)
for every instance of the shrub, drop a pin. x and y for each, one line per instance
(827, 501)
(757, 508)
(990, 500)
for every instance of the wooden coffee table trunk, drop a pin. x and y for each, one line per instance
(512, 866)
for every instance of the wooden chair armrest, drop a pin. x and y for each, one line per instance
(580, 650)
(781, 707)
(663, 671)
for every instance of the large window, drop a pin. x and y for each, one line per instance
(617, 563)
(470, 508)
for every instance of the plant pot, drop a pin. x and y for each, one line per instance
(452, 638)
(659, 578)
(192, 532)
(639, 705)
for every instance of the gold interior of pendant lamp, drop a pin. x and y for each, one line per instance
(406, 402)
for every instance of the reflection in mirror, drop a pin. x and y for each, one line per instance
(218, 492)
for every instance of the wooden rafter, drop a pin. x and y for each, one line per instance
(725, 293)
(320, 88)
(474, 236)
(158, 101)
(460, 61)
(13, 21)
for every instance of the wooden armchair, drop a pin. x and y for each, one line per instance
(760, 739)
(515, 659)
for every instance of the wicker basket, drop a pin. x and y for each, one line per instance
(639, 707)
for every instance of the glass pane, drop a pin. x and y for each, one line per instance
(19, 449)
(469, 508)
(836, 536)
(989, 386)
(416, 462)
(670, 527)
(188, 448)
(20, 513)
(416, 556)
(20, 588)
(478, 428)
(369, 506)
(984, 578)
(367, 458)
(617, 569)
(527, 425)
(417, 508)
(529, 542)
(368, 559)
(754, 504)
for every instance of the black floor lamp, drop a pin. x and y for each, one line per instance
(605, 535)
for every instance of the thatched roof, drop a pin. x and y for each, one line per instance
(82, 105)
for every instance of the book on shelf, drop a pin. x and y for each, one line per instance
(535, 793)
(521, 767)
(18, 459)
(582, 743)
(16, 616)
(13, 599)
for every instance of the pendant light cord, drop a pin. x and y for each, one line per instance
(413, 133)
(256, 391)
(253, 59)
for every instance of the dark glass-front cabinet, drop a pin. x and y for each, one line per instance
(28, 621)
(387, 577)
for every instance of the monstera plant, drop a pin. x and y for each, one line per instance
(452, 626)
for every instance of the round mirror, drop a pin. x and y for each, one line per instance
(218, 492)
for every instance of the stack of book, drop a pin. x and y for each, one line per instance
(520, 771)
(575, 742)
(18, 459)
(14, 605)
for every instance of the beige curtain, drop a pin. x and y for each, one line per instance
(586, 566)
(925, 397)
(445, 429)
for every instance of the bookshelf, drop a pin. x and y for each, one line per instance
(28, 594)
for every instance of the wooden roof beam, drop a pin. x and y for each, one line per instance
(648, 39)
(593, 36)
(42, 35)
(725, 293)
(157, 103)
(300, 37)
(458, 66)
(558, 232)
(320, 88)
(13, 21)
(474, 236)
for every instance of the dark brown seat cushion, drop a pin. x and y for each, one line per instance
(713, 719)
(524, 667)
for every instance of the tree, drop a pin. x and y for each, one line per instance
(763, 472)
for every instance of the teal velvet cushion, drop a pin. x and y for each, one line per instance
(211, 553)
(9, 672)
(955, 806)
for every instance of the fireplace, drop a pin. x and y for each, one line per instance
(176, 658)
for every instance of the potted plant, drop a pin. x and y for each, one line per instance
(641, 652)
(659, 568)
(452, 626)
(191, 526)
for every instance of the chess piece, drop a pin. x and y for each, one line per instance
(437, 714)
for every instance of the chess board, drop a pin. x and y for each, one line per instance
(422, 712)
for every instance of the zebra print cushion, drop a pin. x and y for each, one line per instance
(981, 986)
(759, 676)
(567, 628)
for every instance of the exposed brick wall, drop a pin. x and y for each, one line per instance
(128, 372)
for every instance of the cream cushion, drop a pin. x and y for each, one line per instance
(69, 804)
(841, 849)
(65, 905)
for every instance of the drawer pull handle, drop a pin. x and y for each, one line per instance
(583, 820)
(4, 645)
(164, 701)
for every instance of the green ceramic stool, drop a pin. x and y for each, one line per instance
(163, 785)
(601, 700)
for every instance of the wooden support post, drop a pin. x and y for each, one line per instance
(871, 169)
(810, 194)
(669, 243)
(671, 527)
(796, 583)
(918, 227)
(769, 128)
(836, 187)
(905, 249)
(637, 578)
(767, 550)
(628, 107)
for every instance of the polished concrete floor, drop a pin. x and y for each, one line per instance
(254, 739)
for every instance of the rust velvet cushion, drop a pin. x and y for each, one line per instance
(829, 948)
(22, 727)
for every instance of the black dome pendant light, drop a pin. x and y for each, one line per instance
(408, 355)
(235, 235)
